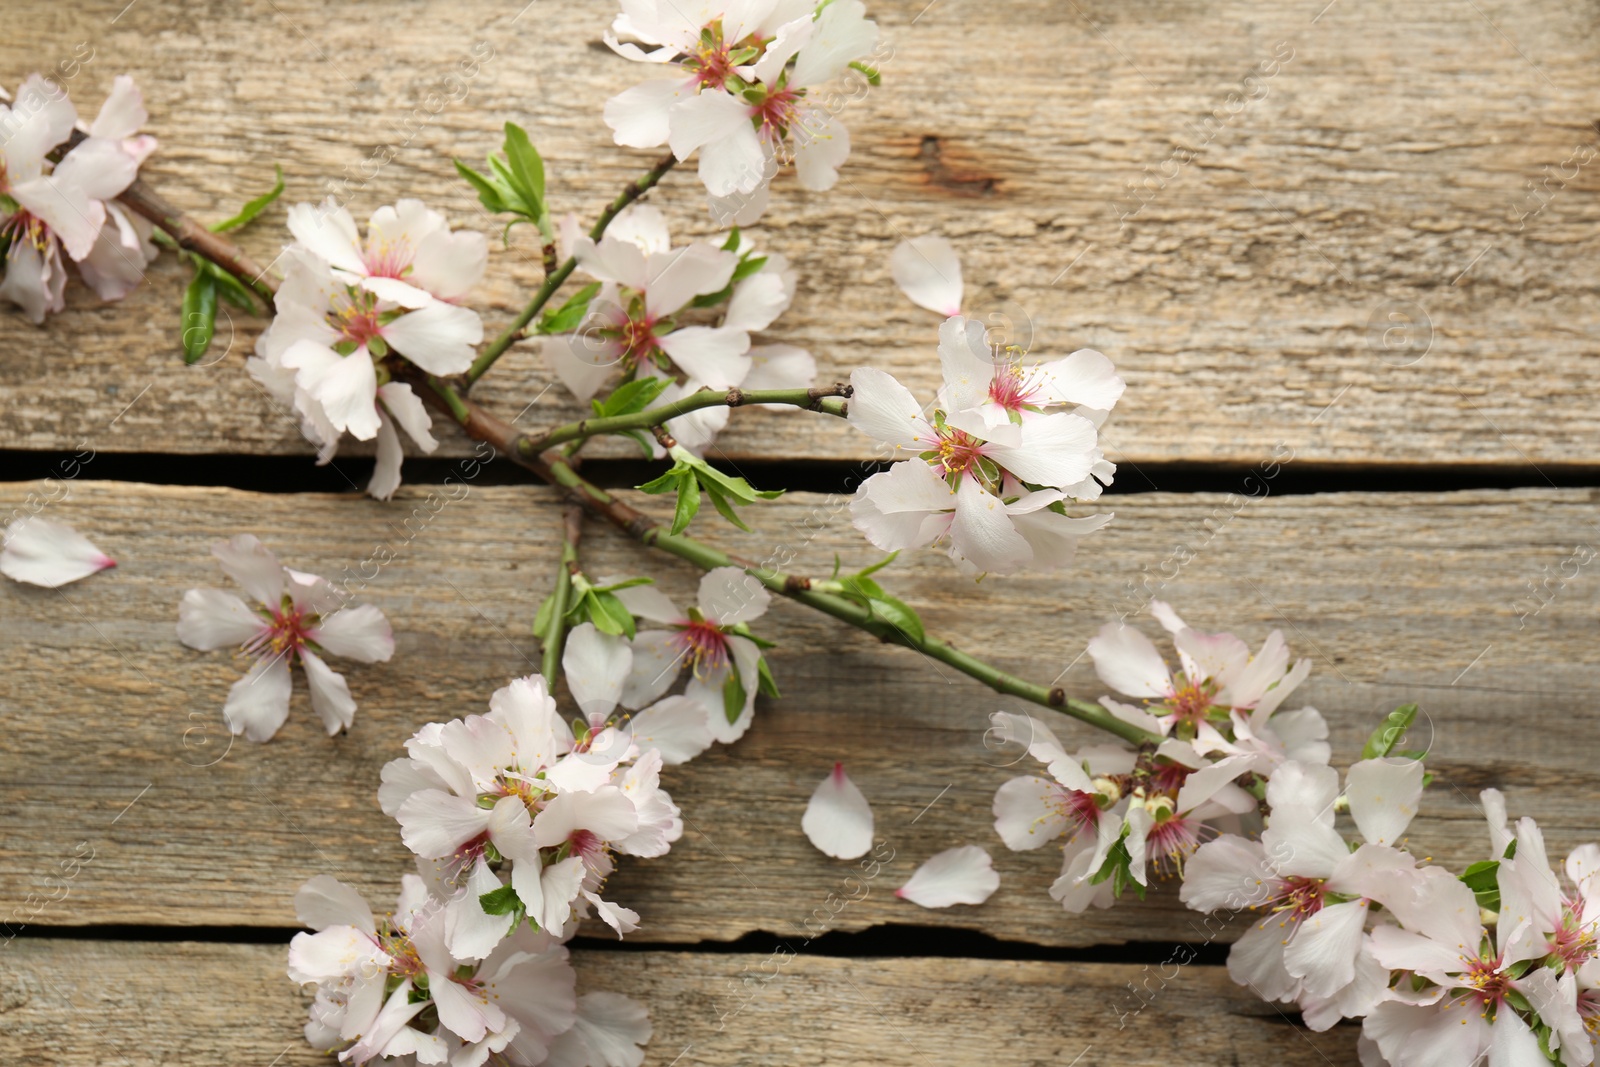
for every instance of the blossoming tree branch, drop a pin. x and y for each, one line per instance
(517, 816)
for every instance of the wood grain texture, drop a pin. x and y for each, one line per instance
(133, 1005)
(1232, 201)
(115, 745)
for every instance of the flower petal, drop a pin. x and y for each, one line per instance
(258, 703)
(39, 551)
(361, 633)
(330, 696)
(838, 819)
(928, 271)
(961, 875)
(209, 619)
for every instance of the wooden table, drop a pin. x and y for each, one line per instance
(1339, 267)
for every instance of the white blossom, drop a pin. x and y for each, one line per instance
(297, 617)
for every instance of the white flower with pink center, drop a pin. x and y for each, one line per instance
(1311, 944)
(712, 640)
(1223, 700)
(393, 992)
(410, 256)
(49, 208)
(1474, 994)
(327, 350)
(638, 324)
(995, 498)
(518, 796)
(297, 618)
(739, 92)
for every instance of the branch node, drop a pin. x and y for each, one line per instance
(1058, 697)
(796, 583)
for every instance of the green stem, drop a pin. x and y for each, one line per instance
(830, 401)
(848, 611)
(553, 279)
(562, 595)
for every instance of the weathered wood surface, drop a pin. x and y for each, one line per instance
(1349, 162)
(114, 734)
(123, 1004)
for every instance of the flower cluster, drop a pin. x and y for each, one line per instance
(635, 323)
(394, 992)
(296, 618)
(1235, 798)
(737, 91)
(349, 307)
(58, 196)
(515, 817)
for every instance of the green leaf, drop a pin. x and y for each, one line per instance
(199, 316)
(639, 439)
(874, 79)
(488, 193)
(616, 611)
(1389, 733)
(569, 315)
(230, 288)
(626, 583)
(1483, 878)
(689, 503)
(633, 396)
(748, 267)
(668, 481)
(733, 697)
(502, 901)
(897, 614)
(527, 169)
(255, 207)
(768, 685)
(544, 617)
(876, 567)
(733, 240)
(600, 616)
(725, 509)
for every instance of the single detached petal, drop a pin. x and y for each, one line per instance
(43, 552)
(838, 820)
(961, 875)
(928, 271)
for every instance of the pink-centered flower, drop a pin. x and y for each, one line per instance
(711, 640)
(1315, 893)
(996, 498)
(740, 90)
(519, 785)
(1222, 699)
(1478, 995)
(392, 992)
(50, 208)
(337, 325)
(297, 618)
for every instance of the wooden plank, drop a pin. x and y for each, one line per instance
(114, 734)
(1341, 174)
(132, 1004)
